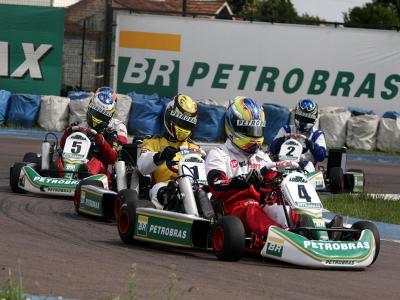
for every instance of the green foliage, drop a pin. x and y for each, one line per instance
(276, 11)
(374, 15)
(11, 290)
(364, 206)
(307, 19)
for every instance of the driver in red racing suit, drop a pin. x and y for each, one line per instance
(105, 132)
(236, 169)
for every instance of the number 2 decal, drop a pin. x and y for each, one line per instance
(291, 149)
(303, 193)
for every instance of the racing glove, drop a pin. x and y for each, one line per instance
(309, 145)
(166, 155)
(239, 182)
(255, 178)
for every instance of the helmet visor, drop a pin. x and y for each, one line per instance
(182, 121)
(99, 113)
(251, 128)
(304, 119)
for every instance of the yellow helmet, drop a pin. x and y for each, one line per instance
(180, 117)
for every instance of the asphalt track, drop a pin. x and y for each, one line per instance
(56, 252)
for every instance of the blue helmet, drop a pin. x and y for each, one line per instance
(101, 109)
(305, 115)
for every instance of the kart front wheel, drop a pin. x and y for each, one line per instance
(126, 221)
(362, 225)
(15, 172)
(336, 180)
(228, 238)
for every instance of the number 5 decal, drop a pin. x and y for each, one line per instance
(76, 147)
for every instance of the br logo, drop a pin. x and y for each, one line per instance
(149, 75)
(142, 225)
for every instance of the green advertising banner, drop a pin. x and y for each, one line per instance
(31, 43)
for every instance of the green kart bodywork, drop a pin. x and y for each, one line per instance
(296, 249)
(31, 181)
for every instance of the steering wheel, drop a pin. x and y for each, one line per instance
(87, 131)
(296, 136)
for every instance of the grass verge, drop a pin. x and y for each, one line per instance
(364, 206)
(11, 290)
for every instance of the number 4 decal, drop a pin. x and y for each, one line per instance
(303, 193)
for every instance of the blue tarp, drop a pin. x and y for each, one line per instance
(23, 110)
(146, 114)
(357, 111)
(78, 95)
(210, 123)
(276, 116)
(391, 115)
(4, 103)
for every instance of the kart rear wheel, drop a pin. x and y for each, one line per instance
(15, 172)
(336, 180)
(77, 194)
(228, 238)
(361, 225)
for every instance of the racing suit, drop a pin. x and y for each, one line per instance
(103, 151)
(161, 174)
(314, 148)
(223, 165)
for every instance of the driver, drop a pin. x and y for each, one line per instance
(105, 132)
(314, 146)
(180, 118)
(236, 169)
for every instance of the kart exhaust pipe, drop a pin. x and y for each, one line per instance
(46, 151)
(189, 202)
(120, 172)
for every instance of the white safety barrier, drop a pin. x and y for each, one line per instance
(78, 109)
(362, 131)
(333, 121)
(388, 138)
(54, 113)
(124, 103)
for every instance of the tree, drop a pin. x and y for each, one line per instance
(379, 14)
(276, 11)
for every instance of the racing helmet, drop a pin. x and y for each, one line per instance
(180, 117)
(245, 123)
(101, 109)
(305, 115)
(108, 90)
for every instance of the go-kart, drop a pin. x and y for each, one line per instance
(189, 222)
(308, 240)
(35, 173)
(334, 178)
(94, 200)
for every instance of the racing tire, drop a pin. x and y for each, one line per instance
(33, 158)
(228, 238)
(15, 171)
(77, 194)
(127, 215)
(361, 225)
(123, 195)
(336, 180)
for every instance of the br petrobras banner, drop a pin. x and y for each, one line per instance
(275, 63)
(31, 43)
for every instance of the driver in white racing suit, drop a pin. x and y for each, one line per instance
(314, 146)
(235, 170)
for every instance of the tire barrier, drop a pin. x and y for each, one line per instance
(354, 127)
